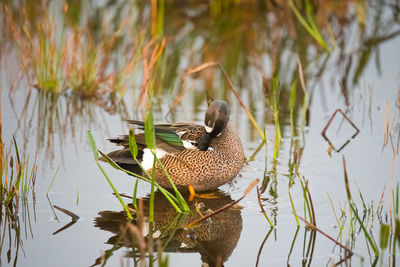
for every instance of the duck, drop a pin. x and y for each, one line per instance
(196, 157)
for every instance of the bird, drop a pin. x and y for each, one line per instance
(196, 157)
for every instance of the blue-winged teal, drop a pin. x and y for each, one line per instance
(204, 157)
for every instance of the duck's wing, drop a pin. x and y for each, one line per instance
(176, 134)
(170, 137)
(123, 156)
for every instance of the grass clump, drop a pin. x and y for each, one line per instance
(72, 59)
(17, 179)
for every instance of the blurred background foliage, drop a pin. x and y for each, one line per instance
(97, 50)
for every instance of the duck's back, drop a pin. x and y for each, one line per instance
(205, 170)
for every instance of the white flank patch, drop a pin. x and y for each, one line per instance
(187, 144)
(157, 234)
(145, 228)
(148, 157)
(208, 129)
(210, 148)
(181, 133)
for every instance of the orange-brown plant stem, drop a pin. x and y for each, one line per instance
(323, 233)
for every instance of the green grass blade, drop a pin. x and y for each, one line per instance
(309, 28)
(128, 213)
(109, 160)
(16, 151)
(149, 131)
(52, 180)
(92, 144)
(134, 197)
(384, 235)
(293, 207)
(367, 235)
(292, 98)
(132, 144)
(96, 156)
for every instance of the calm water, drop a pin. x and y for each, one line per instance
(245, 47)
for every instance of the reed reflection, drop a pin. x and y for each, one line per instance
(58, 118)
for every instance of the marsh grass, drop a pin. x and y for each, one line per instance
(357, 219)
(273, 100)
(309, 22)
(387, 231)
(97, 52)
(17, 179)
(72, 60)
(274, 103)
(307, 245)
(74, 69)
(75, 61)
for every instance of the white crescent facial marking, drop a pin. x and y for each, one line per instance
(208, 129)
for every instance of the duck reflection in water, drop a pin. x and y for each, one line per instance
(214, 238)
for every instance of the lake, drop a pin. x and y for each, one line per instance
(284, 69)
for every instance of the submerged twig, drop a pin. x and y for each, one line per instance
(311, 203)
(68, 225)
(309, 224)
(323, 133)
(73, 216)
(262, 208)
(262, 246)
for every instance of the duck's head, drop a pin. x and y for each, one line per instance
(216, 118)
